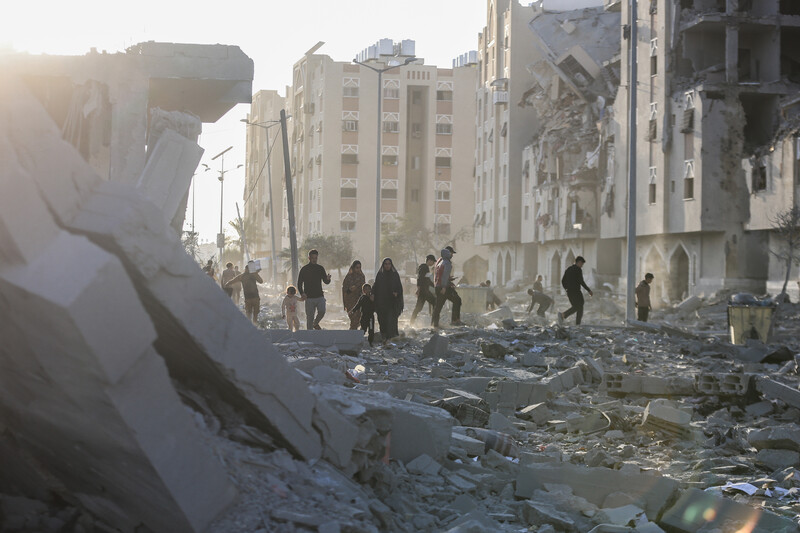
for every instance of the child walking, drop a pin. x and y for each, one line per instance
(366, 304)
(289, 308)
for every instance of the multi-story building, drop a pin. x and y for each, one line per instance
(264, 151)
(575, 80)
(503, 129)
(711, 78)
(426, 153)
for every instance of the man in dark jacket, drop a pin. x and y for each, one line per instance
(572, 283)
(424, 286)
(309, 286)
(643, 297)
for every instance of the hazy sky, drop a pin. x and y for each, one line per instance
(275, 34)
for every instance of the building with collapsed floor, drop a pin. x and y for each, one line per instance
(576, 76)
(712, 79)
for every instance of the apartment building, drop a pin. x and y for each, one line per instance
(260, 200)
(426, 153)
(711, 79)
(503, 128)
(575, 80)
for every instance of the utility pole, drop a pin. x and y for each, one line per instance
(630, 310)
(221, 234)
(287, 165)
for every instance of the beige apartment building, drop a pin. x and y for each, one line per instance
(503, 128)
(426, 153)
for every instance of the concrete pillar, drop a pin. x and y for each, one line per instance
(732, 52)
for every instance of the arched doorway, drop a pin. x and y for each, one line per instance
(570, 260)
(499, 270)
(555, 271)
(507, 275)
(476, 269)
(679, 274)
(654, 264)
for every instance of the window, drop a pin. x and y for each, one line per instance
(416, 130)
(389, 160)
(653, 65)
(415, 195)
(391, 127)
(349, 159)
(415, 162)
(444, 129)
(347, 226)
(652, 130)
(349, 125)
(443, 196)
(391, 93)
(527, 212)
(688, 179)
(652, 186)
(350, 92)
(389, 194)
(759, 178)
(416, 97)
(442, 162)
(444, 96)
(652, 193)
(348, 192)
(443, 228)
(688, 121)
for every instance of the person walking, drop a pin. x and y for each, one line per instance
(643, 297)
(351, 292)
(572, 281)
(252, 300)
(289, 308)
(388, 293)
(539, 297)
(237, 287)
(492, 301)
(228, 274)
(209, 270)
(445, 288)
(365, 307)
(309, 286)
(425, 291)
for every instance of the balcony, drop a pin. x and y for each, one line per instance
(500, 97)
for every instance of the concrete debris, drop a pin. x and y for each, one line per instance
(134, 395)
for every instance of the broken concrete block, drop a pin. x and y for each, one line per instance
(435, 347)
(529, 359)
(698, 510)
(537, 413)
(498, 422)
(722, 384)
(535, 513)
(619, 516)
(762, 408)
(501, 313)
(339, 435)
(424, 464)
(595, 484)
(689, 305)
(419, 429)
(662, 415)
(776, 438)
(328, 374)
(778, 391)
(777, 459)
(470, 445)
(493, 350)
(345, 340)
(596, 369)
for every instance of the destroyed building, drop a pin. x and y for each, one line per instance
(713, 80)
(575, 77)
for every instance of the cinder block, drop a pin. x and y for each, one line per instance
(613, 382)
(779, 437)
(436, 346)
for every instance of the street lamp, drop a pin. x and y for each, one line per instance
(380, 72)
(267, 125)
(221, 178)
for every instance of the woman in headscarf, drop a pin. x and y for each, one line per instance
(388, 291)
(351, 291)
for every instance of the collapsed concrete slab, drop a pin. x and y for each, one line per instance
(595, 484)
(345, 341)
(84, 393)
(778, 391)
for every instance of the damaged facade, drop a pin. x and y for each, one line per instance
(564, 167)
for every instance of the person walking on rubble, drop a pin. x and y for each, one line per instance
(209, 270)
(237, 287)
(309, 285)
(425, 292)
(445, 288)
(289, 308)
(643, 306)
(228, 274)
(539, 297)
(365, 307)
(252, 300)
(351, 292)
(572, 283)
(388, 296)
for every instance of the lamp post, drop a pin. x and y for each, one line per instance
(630, 307)
(221, 178)
(380, 72)
(267, 125)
